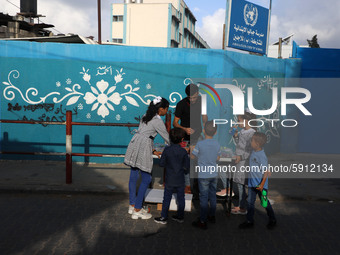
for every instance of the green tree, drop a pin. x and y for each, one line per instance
(314, 42)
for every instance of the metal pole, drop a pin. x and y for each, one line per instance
(99, 23)
(168, 122)
(223, 38)
(268, 30)
(68, 147)
(230, 196)
(227, 25)
(280, 48)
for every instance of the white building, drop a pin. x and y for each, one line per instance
(286, 48)
(155, 23)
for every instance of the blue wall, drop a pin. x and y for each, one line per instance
(320, 73)
(99, 83)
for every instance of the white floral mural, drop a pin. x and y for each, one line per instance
(102, 89)
(102, 99)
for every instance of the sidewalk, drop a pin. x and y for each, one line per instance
(49, 177)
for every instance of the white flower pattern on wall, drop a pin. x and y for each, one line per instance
(101, 99)
(86, 76)
(119, 77)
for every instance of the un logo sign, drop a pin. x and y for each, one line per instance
(250, 14)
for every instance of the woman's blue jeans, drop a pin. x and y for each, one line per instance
(138, 199)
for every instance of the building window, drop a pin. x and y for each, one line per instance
(117, 40)
(117, 18)
(174, 44)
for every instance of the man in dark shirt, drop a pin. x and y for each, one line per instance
(188, 112)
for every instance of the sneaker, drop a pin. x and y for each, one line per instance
(143, 214)
(271, 224)
(161, 220)
(212, 219)
(131, 208)
(187, 190)
(246, 225)
(199, 224)
(178, 219)
(146, 208)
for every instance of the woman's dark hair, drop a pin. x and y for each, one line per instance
(153, 109)
(191, 89)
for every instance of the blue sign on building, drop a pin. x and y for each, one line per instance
(247, 26)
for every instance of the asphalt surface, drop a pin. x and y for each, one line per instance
(100, 224)
(40, 214)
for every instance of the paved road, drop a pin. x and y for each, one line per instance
(99, 224)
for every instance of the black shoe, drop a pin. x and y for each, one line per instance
(199, 224)
(246, 225)
(161, 220)
(271, 224)
(178, 219)
(212, 219)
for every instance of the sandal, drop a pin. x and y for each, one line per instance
(235, 210)
(242, 212)
(222, 193)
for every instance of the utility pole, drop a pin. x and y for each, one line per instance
(268, 29)
(227, 24)
(99, 23)
(223, 39)
(280, 48)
